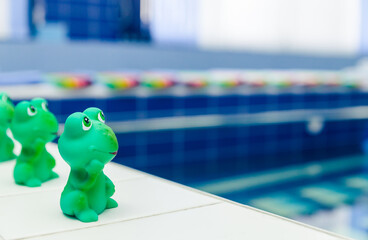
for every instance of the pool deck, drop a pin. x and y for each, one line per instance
(149, 208)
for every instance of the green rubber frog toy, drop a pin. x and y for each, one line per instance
(34, 126)
(6, 116)
(87, 144)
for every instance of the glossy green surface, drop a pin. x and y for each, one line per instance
(33, 126)
(6, 116)
(87, 144)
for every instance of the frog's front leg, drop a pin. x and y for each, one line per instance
(85, 181)
(110, 190)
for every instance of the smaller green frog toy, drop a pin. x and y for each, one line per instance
(87, 144)
(34, 126)
(6, 116)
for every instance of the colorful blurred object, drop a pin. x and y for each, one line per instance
(118, 81)
(70, 80)
(226, 78)
(197, 83)
(156, 80)
(230, 83)
(194, 80)
(261, 80)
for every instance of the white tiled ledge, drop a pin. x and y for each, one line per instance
(149, 208)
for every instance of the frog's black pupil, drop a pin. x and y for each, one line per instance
(86, 120)
(33, 109)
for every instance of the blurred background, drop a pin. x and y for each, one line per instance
(261, 102)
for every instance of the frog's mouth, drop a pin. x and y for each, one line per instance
(113, 153)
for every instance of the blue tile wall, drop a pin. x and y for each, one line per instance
(225, 150)
(97, 19)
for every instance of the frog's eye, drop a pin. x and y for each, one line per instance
(45, 106)
(31, 110)
(86, 124)
(101, 117)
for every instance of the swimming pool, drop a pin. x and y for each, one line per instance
(295, 154)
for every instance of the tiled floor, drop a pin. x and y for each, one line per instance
(149, 208)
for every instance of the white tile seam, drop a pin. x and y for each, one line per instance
(119, 221)
(38, 190)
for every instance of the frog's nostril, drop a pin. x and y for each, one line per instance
(107, 133)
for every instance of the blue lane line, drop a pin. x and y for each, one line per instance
(277, 176)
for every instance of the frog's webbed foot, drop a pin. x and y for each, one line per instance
(33, 182)
(87, 215)
(111, 203)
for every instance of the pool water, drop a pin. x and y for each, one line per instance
(331, 194)
(339, 204)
